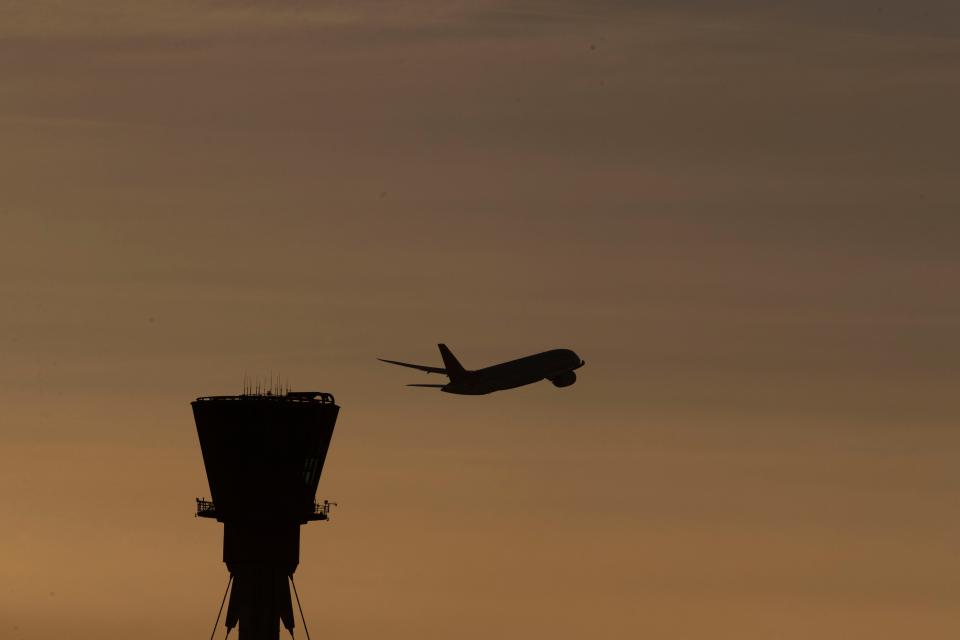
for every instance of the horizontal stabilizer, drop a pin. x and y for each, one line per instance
(436, 386)
(421, 367)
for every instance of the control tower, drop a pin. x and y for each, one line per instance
(263, 455)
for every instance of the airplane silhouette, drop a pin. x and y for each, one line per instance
(556, 366)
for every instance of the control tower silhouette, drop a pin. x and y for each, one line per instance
(263, 455)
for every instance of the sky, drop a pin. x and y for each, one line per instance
(742, 215)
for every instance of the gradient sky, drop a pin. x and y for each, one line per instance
(743, 215)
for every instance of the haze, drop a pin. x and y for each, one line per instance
(742, 215)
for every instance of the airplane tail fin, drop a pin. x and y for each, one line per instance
(454, 369)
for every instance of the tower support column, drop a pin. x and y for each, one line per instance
(259, 600)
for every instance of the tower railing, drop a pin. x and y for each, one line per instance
(205, 508)
(321, 510)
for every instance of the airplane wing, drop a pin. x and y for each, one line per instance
(415, 366)
(437, 386)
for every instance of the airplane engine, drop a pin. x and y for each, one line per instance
(564, 379)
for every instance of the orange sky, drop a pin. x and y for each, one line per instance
(743, 218)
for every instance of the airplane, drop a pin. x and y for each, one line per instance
(556, 365)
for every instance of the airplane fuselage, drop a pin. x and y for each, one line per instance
(556, 365)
